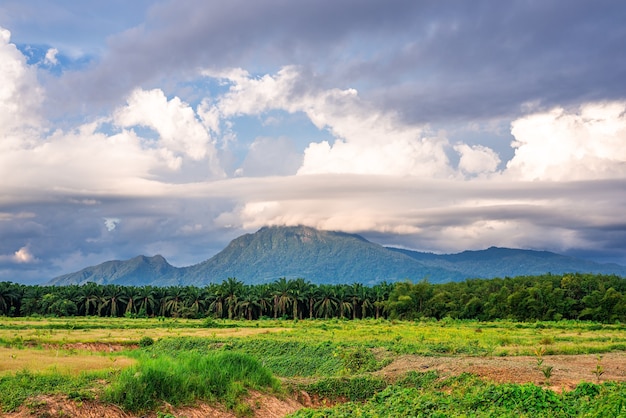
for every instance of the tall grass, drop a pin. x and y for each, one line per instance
(190, 376)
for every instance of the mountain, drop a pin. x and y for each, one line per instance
(503, 262)
(330, 257)
(321, 256)
(139, 271)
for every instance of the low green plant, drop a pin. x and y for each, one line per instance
(599, 370)
(467, 395)
(357, 359)
(357, 388)
(547, 373)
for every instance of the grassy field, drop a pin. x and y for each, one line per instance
(169, 362)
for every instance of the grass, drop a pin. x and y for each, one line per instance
(187, 377)
(16, 388)
(219, 361)
(58, 361)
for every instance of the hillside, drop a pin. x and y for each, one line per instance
(320, 256)
(137, 271)
(330, 257)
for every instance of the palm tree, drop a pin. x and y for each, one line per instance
(174, 300)
(283, 297)
(365, 297)
(194, 300)
(216, 297)
(248, 303)
(113, 301)
(381, 293)
(345, 300)
(31, 302)
(231, 288)
(160, 299)
(145, 300)
(312, 294)
(9, 296)
(265, 295)
(327, 302)
(299, 292)
(88, 299)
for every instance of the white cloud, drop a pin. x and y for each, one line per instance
(111, 223)
(588, 143)
(21, 256)
(477, 159)
(51, 57)
(176, 123)
(368, 141)
(20, 96)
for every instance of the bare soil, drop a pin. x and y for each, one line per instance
(568, 371)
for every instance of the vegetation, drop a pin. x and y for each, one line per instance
(185, 377)
(182, 345)
(548, 297)
(428, 395)
(181, 361)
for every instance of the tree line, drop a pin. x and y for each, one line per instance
(525, 298)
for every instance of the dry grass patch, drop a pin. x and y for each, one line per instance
(61, 361)
(33, 337)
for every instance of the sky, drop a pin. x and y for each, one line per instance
(172, 127)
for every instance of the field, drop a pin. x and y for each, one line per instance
(123, 367)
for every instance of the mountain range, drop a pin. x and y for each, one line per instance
(330, 257)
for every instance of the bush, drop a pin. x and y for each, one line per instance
(145, 341)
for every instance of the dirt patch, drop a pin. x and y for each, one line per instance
(94, 347)
(568, 370)
(262, 405)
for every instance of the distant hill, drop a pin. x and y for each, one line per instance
(330, 257)
(507, 262)
(139, 271)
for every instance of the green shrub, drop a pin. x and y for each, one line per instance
(357, 359)
(354, 389)
(145, 341)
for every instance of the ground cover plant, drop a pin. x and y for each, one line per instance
(429, 395)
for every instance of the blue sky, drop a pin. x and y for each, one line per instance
(172, 127)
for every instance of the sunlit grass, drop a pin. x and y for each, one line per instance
(428, 337)
(39, 331)
(58, 361)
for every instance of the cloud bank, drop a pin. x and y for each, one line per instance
(411, 124)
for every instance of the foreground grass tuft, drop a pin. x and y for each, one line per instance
(188, 377)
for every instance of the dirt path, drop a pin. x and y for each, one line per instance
(568, 371)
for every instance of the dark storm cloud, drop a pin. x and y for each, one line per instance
(432, 60)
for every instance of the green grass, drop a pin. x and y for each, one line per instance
(186, 378)
(15, 389)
